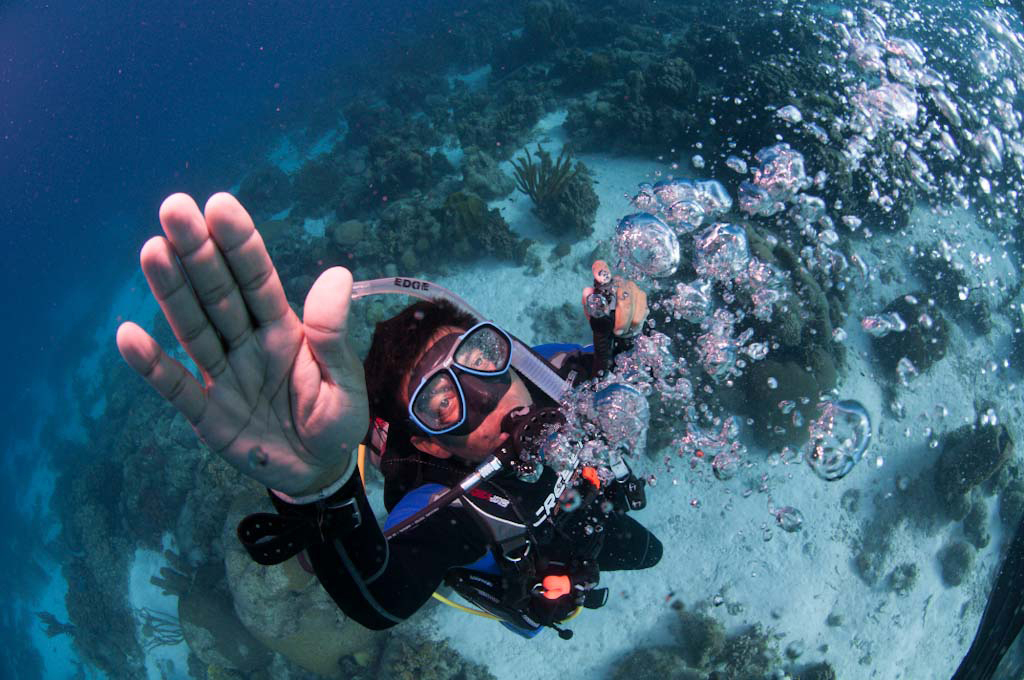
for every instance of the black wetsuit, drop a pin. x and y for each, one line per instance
(381, 582)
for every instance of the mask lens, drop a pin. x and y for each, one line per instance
(484, 351)
(437, 404)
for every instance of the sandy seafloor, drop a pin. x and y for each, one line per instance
(719, 541)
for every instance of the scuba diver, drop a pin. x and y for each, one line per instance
(452, 408)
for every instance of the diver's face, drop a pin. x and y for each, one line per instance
(478, 444)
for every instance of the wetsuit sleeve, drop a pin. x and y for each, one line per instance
(569, 358)
(375, 581)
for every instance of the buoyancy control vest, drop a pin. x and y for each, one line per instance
(541, 565)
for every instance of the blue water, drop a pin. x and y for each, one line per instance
(106, 108)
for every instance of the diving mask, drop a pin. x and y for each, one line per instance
(460, 380)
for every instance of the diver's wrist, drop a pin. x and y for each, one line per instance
(324, 486)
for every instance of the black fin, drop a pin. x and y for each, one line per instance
(1003, 618)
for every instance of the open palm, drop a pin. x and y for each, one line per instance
(282, 400)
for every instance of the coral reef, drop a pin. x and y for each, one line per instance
(563, 195)
(52, 626)
(413, 657)
(159, 629)
(497, 123)
(399, 163)
(701, 638)
(903, 578)
(976, 525)
(970, 455)
(924, 340)
(317, 186)
(482, 176)
(1011, 504)
(576, 70)
(946, 278)
(549, 24)
(818, 671)
(544, 181)
(748, 655)
(412, 231)
(265, 191)
(349, 233)
(96, 568)
(770, 382)
(654, 663)
(955, 561)
(476, 229)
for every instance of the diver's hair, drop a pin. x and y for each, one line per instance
(396, 344)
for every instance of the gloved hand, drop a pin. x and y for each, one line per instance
(282, 400)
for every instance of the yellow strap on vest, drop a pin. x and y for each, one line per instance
(361, 464)
(468, 610)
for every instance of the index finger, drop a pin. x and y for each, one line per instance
(246, 255)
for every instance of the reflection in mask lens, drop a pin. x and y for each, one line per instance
(485, 350)
(437, 404)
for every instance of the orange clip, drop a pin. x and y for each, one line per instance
(556, 586)
(590, 474)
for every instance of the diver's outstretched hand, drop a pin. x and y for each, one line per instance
(282, 400)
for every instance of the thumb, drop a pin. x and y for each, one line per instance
(325, 318)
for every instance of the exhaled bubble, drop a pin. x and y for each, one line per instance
(947, 107)
(781, 171)
(755, 200)
(790, 114)
(647, 244)
(838, 438)
(906, 371)
(645, 200)
(691, 302)
(880, 325)
(887, 104)
(685, 215)
(623, 415)
(851, 221)
(789, 518)
(670, 191)
(713, 196)
(736, 164)
(722, 252)
(725, 465)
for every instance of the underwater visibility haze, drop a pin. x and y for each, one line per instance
(796, 231)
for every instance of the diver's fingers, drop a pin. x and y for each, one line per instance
(214, 284)
(630, 308)
(181, 307)
(587, 292)
(243, 249)
(164, 374)
(326, 324)
(640, 309)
